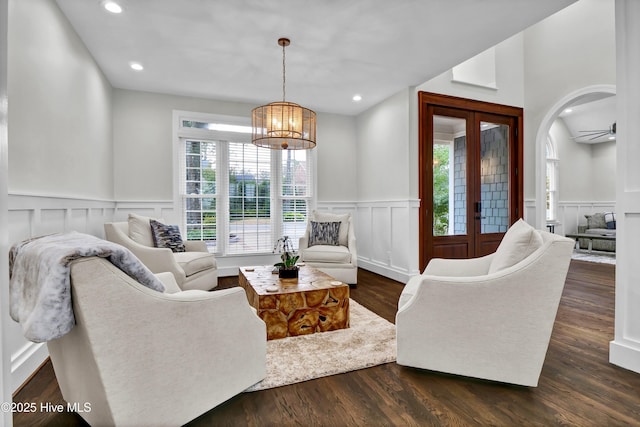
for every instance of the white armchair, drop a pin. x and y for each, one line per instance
(339, 261)
(488, 317)
(195, 268)
(141, 356)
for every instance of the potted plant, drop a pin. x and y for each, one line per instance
(287, 268)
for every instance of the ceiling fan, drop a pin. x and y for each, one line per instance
(590, 135)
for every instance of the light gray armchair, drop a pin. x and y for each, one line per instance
(339, 261)
(195, 268)
(488, 317)
(161, 359)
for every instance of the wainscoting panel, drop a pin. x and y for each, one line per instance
(381, 224)
(387, 233)
(571, 214)
(20, 225)
(36, 215)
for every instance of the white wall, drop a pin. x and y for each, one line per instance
(143, 137)
(60, 110)
(603, 170)
(383, 150)
(509, 57)
(336, 158)
(568, 51)
(143, 152)
(6, 419)
(60, 167)
(574, 165)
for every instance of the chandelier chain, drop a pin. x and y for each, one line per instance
(284, 80)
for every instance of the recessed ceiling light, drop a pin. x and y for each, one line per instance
(357, 98)
(568, 110)
(111, 6)
(136, 66)
(611, 138)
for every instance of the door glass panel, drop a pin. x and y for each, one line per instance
(494, 178)
(449, 176)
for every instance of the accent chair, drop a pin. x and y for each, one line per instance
(195, 268)
(332, 253)
(137, 355)
(488, 317)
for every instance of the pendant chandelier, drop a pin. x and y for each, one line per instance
(283, 125)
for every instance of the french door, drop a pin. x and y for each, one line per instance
(470, 175)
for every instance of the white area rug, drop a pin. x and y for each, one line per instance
(370, 341)
(600, 257)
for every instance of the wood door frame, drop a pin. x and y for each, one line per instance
(425, 131)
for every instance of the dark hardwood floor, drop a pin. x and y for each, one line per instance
(578, 386)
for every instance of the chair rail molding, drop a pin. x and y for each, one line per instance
(386, 232)
(30, 215)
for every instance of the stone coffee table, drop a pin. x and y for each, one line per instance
(315, 302)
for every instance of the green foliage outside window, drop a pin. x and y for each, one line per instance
(440, 190)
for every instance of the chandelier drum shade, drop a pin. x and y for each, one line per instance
(283, 125)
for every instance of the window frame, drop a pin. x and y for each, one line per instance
(182, 133)
(551, 182)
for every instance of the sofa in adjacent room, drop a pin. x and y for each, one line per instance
(603, 224)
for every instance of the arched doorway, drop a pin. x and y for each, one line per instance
(582, 95)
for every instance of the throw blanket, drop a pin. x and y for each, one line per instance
(39, 280)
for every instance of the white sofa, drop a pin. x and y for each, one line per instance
(338, 261)
(195, 268)
(142, 357)
(488, 317)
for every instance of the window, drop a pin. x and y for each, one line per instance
(478, 71)
(229, 187)
(552, 181)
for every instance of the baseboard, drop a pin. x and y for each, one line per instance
(26, 361)
(228, 271)
(625, 355)
(385, 270)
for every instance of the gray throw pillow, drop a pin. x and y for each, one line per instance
(596, 220)
(166, 236)
(324, 233)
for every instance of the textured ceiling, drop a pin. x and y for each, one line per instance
(227, 49)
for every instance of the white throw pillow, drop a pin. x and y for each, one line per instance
(140, 229)
(169, 281)
(344, 219)
(520, 241)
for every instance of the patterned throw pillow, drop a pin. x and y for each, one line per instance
(324, 233)
(596, 220)
(166, 236)
(610, 220)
